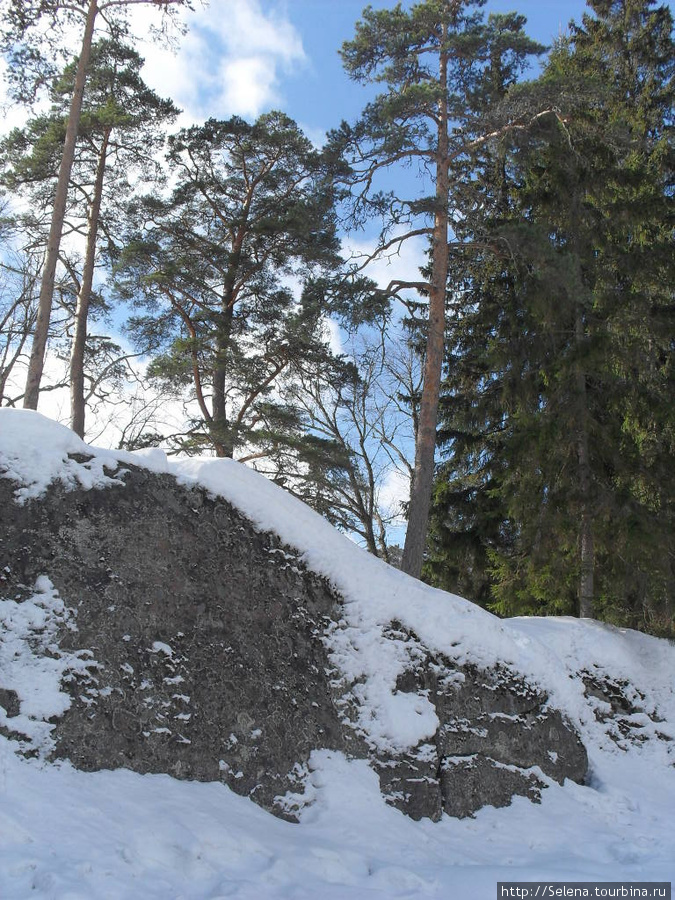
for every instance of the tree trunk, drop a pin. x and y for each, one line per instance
(586, 609)
(220, 427)
(425, 445)
(383, 551)
(37, 357)
(77, 406)
(586, 539)
(221, 433)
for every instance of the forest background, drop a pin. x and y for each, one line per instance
(455, 308)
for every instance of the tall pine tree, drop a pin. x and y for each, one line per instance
(121, 130)
(29, 26)
(434, 61)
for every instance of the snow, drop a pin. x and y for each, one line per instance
(71, 835)
(121, 836)
(32, 666)
(34, 451)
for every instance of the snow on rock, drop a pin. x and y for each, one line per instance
(32, 667)
(628, 680)
(35, 451)
(118, 835)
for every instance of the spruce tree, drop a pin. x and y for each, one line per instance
(573, 453)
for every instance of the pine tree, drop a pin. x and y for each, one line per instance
(432, 61)
(21, 37)
(251, 210)
(121, 129)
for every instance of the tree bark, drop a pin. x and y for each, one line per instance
(77, 405)
(222, 437)
(221, 433)
(383, 550)
(585, 475)
(425, 446)
(36, 363)
(586, 538)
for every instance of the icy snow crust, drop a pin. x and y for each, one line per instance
(67, 834)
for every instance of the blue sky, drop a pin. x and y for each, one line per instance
(323, 93)
(248, 56)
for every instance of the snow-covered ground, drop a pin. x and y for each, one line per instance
(76, 836)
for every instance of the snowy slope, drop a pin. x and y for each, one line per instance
(65, 834)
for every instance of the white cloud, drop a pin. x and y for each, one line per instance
(230, 61)
(334, 335)
(316, 135)
(11, 115)
(248, 84)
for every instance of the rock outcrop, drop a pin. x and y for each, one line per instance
(212, 658)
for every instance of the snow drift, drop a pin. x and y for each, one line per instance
(615, 687)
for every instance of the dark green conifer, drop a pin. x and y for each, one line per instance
(557, 402)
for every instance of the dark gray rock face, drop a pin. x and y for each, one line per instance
(9, 701)
(213, 663)
(208, 633)
(495, 732)
(626, 713)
